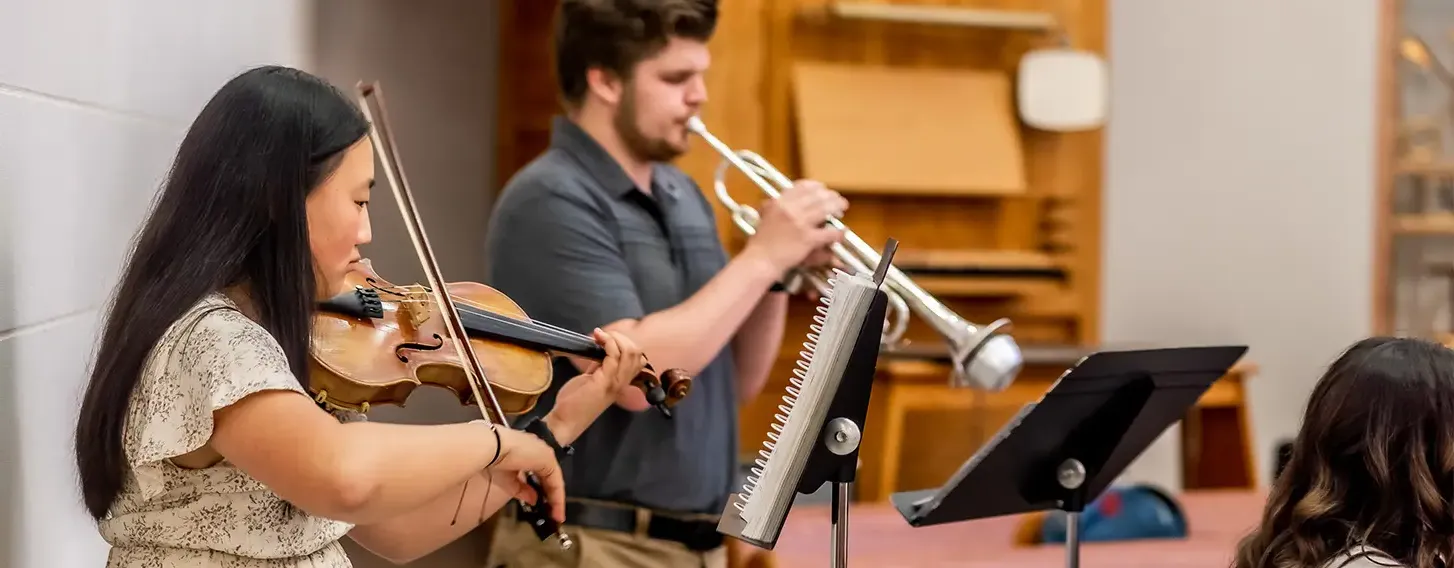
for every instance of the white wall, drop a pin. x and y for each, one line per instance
(436, 63)
(1239, 186)
(94, 97)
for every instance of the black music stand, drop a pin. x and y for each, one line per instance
(833, 457)
(1063, 451)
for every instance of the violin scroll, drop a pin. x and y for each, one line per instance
(666, 391)
(679, 383)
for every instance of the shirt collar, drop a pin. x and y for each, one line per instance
(566, 135)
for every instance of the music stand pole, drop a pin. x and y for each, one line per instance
(841, 438)
(840, 525)
(1071, 477)
(835, 457)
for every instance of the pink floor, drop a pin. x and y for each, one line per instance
(879, 538)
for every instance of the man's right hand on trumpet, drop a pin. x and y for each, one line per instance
(791, 232)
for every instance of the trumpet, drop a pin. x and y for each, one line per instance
(983, 356)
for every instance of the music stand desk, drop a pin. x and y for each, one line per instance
(1064, 450)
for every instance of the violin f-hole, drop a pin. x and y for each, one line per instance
(399, 351)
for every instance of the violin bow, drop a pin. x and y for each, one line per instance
(371, 94)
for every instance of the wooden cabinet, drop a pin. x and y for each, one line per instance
(908, 108)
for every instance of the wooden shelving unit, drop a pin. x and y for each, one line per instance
(907, 107)
(1414, 255)
(1424, 224)
(939, 14)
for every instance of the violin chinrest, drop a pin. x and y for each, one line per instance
(359, 302)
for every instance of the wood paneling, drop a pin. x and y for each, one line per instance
(1058, 216)
(527, 97)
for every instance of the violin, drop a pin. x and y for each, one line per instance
(380, 341)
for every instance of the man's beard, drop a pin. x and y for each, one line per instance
(637, 142)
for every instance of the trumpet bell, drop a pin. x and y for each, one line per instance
(990, 364)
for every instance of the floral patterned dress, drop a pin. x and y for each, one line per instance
(169, 516)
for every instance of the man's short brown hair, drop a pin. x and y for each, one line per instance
(615, 35)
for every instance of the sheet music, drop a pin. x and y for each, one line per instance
(768, 497)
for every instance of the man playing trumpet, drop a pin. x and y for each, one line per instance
(602, 231)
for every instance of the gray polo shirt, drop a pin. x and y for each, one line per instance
(577, 244)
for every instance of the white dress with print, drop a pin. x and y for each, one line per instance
(167, 516)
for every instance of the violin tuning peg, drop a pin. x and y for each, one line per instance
(678, 385)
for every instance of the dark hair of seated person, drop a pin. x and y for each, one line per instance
(1372, 466)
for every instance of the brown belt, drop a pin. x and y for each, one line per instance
(697, 532)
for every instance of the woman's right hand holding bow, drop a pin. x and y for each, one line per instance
(578, 403)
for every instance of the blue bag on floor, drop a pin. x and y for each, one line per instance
(1129, 512)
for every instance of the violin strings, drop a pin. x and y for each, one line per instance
(466, 307)
(470, 310)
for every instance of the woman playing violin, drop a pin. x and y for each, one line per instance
(198, 444)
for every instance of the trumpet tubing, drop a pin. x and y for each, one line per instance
(983, 356)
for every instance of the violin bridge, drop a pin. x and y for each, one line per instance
(420, 307)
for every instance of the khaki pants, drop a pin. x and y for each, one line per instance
(516, 546)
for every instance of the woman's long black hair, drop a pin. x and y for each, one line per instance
(230, 212)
